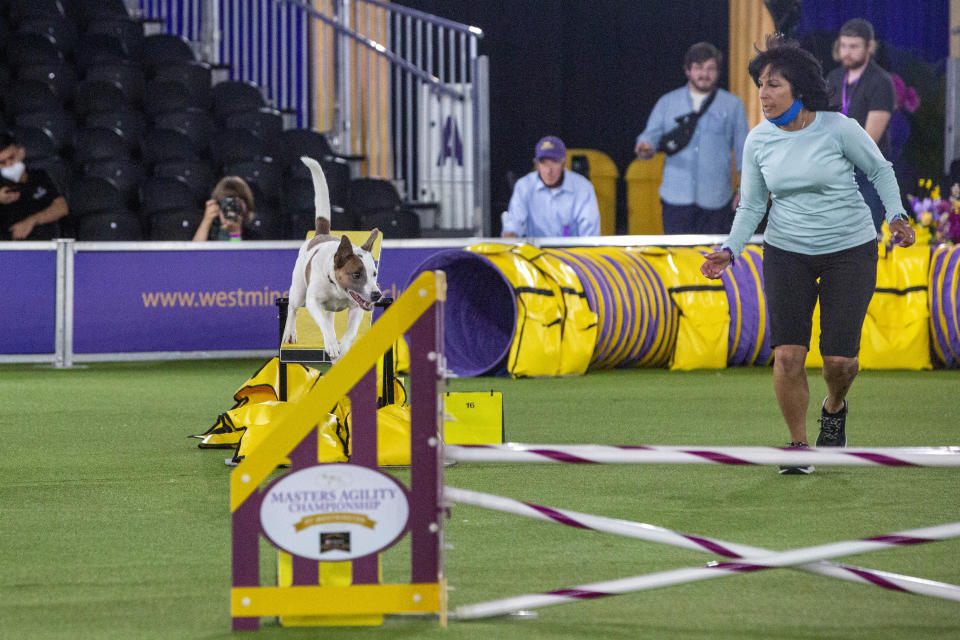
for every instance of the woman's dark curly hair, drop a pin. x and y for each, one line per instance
(798, 67)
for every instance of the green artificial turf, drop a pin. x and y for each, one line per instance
(114, 525)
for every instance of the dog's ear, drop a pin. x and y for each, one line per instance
(344, 253)
(368, 245)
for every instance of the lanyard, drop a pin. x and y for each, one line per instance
(844, 101)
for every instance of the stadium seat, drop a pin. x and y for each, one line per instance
(90, 194)
(175, 224)
(197, 76)
(164, 48)
(129, 123)
(165, 194)
(234, 96)
(60, 76)
(22, 10)
(31, 48)
(59, 30)
(294, 143)
(122, 171)
(93, 96)
(196, 173)
(98, 48)
(265, 174)
(231, 146)
(126, 30)
(376, 203)
(92, 144)
(59, 123)
(195, 123)
(94, 10)
(25, 96)
(265, 228)
(164, 145)
(125, 74)
(59, 171)
(38, 143)
(265, 123)
(162, 96)
(109, 225)
(266, 225)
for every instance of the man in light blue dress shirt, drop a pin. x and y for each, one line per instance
(551, 201)
(697, 188)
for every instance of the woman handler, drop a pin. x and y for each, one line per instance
(820, 241)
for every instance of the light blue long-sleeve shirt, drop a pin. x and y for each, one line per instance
(537, 211)
(816, 206)
(700, 173)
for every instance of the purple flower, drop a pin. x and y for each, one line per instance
(906, 97)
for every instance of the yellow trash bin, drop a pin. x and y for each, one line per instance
(644, 213)
(604, 176)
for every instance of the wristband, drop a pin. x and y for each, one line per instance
(236, 237)
(733, 258)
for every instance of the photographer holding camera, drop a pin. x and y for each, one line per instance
(228, 213)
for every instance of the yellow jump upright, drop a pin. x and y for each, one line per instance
(349, 511)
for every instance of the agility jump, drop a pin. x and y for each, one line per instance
(419, 312)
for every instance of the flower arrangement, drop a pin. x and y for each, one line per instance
(906, 98)
(936, 220)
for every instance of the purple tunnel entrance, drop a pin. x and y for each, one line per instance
(480, 314)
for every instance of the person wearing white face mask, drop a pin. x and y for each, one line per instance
(30, 203)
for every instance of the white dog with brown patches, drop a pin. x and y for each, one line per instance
(331, 275)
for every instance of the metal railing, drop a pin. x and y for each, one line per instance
(406, 90)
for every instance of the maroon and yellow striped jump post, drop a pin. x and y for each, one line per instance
(419, 313)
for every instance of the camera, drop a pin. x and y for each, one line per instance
(231, 207)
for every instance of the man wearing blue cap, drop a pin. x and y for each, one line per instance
(551, 201)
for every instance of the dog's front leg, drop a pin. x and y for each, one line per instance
(324, 320)
(297, 298)
(354, 316)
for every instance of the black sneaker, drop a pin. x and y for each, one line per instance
(797, 471)
(833, 431)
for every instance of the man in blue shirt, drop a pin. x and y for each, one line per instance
(697, 186)
(552, 201)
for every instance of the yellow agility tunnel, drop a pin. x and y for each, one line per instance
(529, 311)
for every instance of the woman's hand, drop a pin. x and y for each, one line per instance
(211, 211)
(714, 263)
(903, 234)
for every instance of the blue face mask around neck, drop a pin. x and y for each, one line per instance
(787, 116)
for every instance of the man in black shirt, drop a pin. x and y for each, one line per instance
(30, 203)
(864, 92)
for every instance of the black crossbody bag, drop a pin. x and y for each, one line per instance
(679, 137)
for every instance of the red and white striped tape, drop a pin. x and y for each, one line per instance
(652, 533)
(787, 456)
(756, 562)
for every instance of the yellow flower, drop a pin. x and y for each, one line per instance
(935, 194)
(926, 218)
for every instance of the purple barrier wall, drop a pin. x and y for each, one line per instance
(187, 300)
(28, 280)
(131, 301)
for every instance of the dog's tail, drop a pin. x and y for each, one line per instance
(321, 195)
